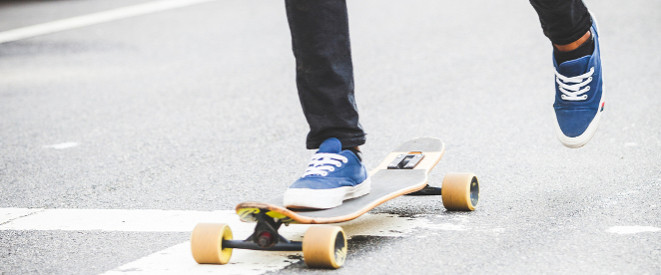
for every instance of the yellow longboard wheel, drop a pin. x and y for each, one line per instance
(324, 247)
(460, 192)
(207, 243)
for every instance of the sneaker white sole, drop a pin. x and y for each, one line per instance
(324, 198)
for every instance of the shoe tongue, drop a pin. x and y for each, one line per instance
(331, 145)
(574, 67)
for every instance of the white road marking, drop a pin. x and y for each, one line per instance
(94, 18)
(152, 220)
(113, 219)
(9, 214)
(634, 229)
(64, 145)
(177, 259)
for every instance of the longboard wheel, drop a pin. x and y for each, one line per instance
(324, 247)
(207, 243)
(460, 192)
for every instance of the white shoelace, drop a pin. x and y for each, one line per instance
(573, 88)
(322, 163)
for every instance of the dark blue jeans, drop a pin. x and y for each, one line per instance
(324, 72)
(563, 21)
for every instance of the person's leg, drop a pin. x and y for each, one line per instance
(563, 21)
(579, 98)
(324, 76)
(324, 71)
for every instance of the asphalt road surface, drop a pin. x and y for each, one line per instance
(116, 137)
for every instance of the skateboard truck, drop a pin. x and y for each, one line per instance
(427, 191)
(265, 237)
(409, 161)
(406, 161)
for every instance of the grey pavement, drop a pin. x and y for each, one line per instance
(196, 109)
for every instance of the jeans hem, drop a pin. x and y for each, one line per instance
(346, 142)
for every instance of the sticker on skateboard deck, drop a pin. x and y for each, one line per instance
(404, 171)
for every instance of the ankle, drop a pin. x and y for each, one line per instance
(583, 47)
(573, 45)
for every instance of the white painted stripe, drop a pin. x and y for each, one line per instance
(113, 219)
(9, 214)
(633, 229)
(95, 18)
(177, 259)
(64, 145)
(151, 220)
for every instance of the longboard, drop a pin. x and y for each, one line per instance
(405, 170)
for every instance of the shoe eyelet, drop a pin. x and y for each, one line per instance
(588, 89)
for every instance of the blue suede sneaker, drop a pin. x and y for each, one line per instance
(332, 176)
(579, 99)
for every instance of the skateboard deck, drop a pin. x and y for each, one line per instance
(405, 170)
